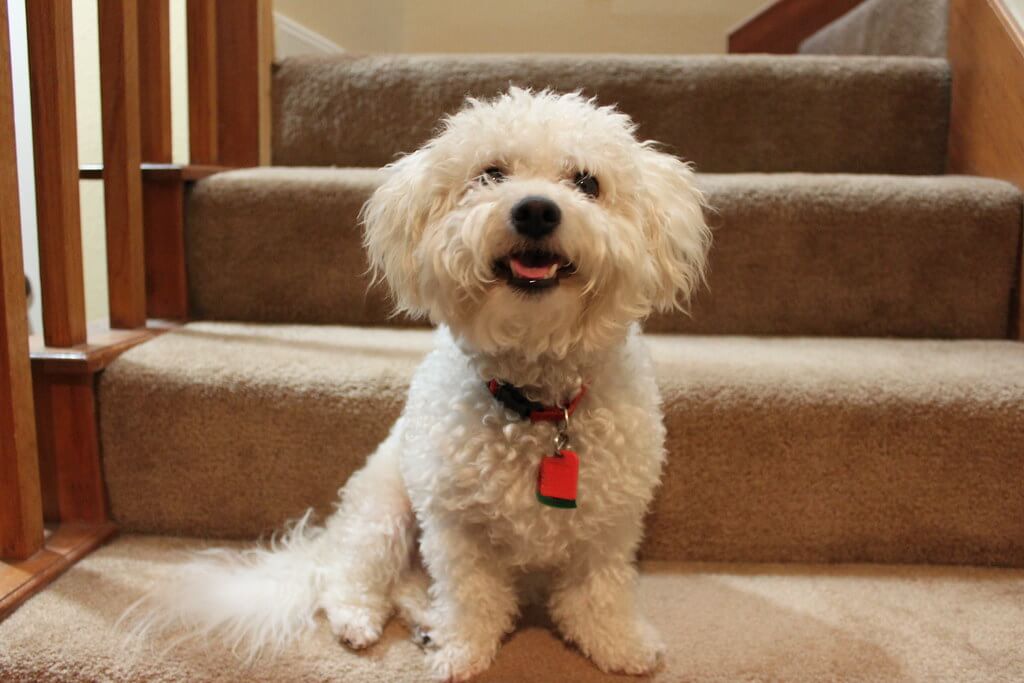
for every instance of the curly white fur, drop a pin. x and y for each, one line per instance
(458, 471)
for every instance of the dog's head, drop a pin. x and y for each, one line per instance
(537, 222)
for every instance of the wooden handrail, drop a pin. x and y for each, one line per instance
(154, 29)
(122, 159)
(21, 510)
(55, 143)
(783, 25)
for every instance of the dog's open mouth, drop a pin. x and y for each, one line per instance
(533, 270)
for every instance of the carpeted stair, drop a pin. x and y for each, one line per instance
(727, 114)
(845, 391)
(794, 254)
(726, 623)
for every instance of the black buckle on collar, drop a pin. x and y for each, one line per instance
(513, 399)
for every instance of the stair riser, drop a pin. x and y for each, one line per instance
(726, 113)
(792, 254)
(897, 483)
(766, 464)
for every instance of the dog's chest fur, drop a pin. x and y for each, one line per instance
(468, 461)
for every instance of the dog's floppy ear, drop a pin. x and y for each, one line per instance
(394, 219)
(674, 224)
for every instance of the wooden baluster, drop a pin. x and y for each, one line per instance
(163, 201)
(244, 56)
(154, 31)
(21, 510)
(55, 141)
(122, 162)
(202, 81)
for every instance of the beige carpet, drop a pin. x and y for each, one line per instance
(840, 255)
(886, 27)
(723, 623)
(726, 113)
(780, 449)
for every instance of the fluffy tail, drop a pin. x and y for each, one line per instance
(255, 601)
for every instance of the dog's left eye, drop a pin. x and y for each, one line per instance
(587, 184)
(492, 174)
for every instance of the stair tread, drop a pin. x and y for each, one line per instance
(796, 449)
(725, 112)
(820, 254)
(722, 622)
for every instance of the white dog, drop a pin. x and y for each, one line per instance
(536, 231)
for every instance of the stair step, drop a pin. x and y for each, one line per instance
(797, 623)
(840, 255)
(727, 113)
(795, 450)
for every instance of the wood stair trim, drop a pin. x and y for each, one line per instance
(986, 52)
(158, 172)
(104, 345)
(986, 127)
(783, 25)
(65, 544)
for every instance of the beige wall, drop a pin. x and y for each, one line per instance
(650, 26)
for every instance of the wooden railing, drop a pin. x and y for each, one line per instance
(49, 446)
(781, 26)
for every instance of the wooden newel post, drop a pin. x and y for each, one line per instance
(21, 511)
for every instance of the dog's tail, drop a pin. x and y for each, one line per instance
(256, 601)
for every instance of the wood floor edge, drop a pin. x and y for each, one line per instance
(64, 547)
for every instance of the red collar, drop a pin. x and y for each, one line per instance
(513, 399)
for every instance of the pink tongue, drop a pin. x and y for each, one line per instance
(526, 272)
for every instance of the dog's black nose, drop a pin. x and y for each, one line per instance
(536, 217)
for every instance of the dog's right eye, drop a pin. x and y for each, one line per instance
(492, 174)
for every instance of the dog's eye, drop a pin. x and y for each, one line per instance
(492, 174)
(587, 184)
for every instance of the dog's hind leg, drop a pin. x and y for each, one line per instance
(366, 547)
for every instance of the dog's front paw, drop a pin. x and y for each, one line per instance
(356, 626)
(457, 662)
(635, 650)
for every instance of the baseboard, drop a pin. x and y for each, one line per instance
(292, 38)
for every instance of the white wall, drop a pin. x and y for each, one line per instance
(23, 141)
(1016, 8)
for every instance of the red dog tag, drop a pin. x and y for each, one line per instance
(557, 478)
